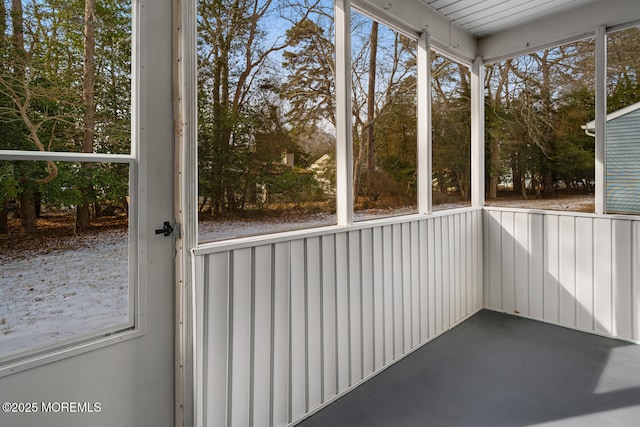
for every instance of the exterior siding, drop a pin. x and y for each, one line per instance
(623, 163)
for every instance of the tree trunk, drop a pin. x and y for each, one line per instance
(28, 223)
(83, 215)
(4, 219)
(548, 190)
(371, 98)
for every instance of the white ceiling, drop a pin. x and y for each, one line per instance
(484, 17)
(494, 29)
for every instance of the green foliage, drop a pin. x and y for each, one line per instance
(396, 146)
(45, 79)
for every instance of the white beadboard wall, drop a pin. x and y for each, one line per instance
(577, 270)
(283, 327)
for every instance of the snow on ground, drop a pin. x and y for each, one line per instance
(49, 296)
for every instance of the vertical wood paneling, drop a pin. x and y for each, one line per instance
(378, 298)
(313, 321)
(368, 321)
(566, 274)
(387, 266)
(448, 271)
(407, 321)
(241, 327)
(287, 326)
(446, 278)
(465, 264)
(432, 267)
(457, 257)
(342, 308)
(281, 337)
(298, 345)
(438, 280)
(261, 377)
(200, 350)
(621, 278)
(423, 258)
(329, 313)
(635, 292)
(398, 313)
(478, 269)
(414, 235)
(551, 274)
(582, 270)
(521, 263)
(508, 262)
(355, 307)
(602, 276)
(494, 255)
(536, 266)
(216, 293)
(584, 273)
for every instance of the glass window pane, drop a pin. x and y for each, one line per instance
(451, 133)
(266, 137)
(538, 154)
(384, 120)
(623, 122)
(55, 284)
(60, 90)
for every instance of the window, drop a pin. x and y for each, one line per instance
(384, 120)
(538, 155)
(266, 125)
(66, 175)
(451, 133)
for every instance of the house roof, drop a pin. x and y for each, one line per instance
(591, 126)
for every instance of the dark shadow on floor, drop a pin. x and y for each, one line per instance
(500, 370)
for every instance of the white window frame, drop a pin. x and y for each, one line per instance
(136, 325)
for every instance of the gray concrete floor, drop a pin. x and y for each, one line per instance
(500, 370)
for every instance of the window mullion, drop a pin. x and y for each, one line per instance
(601, 119)
(425, 187)
(344, 145)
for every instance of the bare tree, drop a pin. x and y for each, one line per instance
(88, 91)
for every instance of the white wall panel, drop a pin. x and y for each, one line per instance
(368, 321)
(313, 322)
(584, 273)
(329, 324)
(342, 314)
(622, 278)
(635, 290)
(551, 289)
(508, 271)
(261, 360)
(298, 346)
(582, 269)
(521, 263)
(281, 338)
(536, 266)
(602, 294)
(378, 298)
(285, 327)
(241, 325)
(566, 274)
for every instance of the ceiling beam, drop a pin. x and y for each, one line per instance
(415, 17)
(553, 30)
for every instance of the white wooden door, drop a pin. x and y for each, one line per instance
(122, 379)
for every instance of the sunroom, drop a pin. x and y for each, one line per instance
(426, 201)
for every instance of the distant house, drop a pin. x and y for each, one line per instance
(322, 168)
(622, 159)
